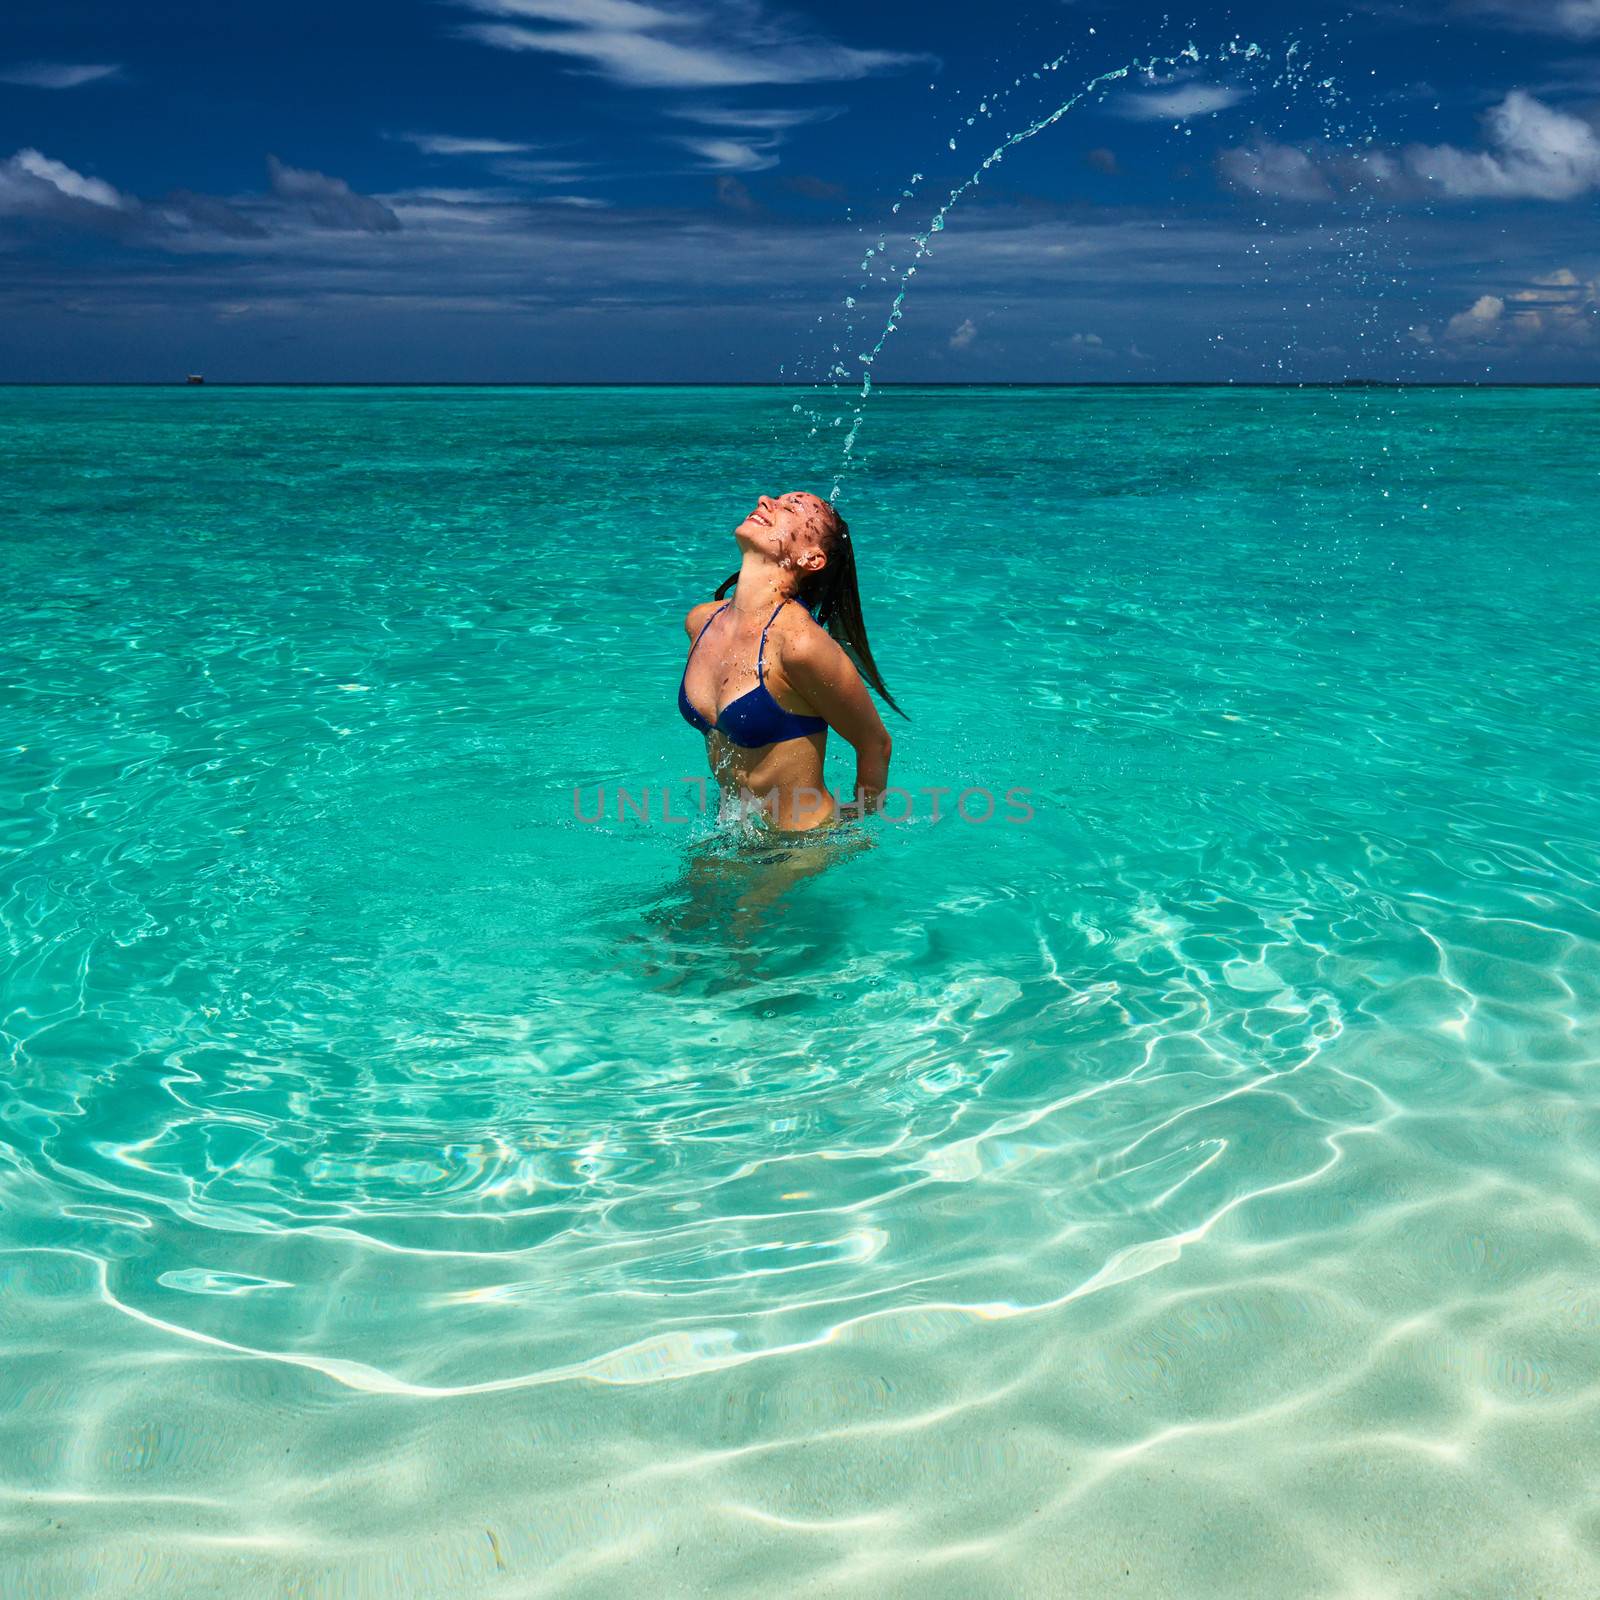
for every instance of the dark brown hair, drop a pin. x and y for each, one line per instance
(831, 596)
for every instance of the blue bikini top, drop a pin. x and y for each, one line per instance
(755, 718)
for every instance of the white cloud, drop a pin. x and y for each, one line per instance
(1176, 105)
(1378, 170)
(57, 74)
(1280, 170)
(729, 44)
(1479, 320)
(37, 185)
(1086, 341)
(447, 144)
(448, 195)
(1536, 152)
(964, 335)
(768, 119)
(30, 181)
(581, 13)
(1575, 19)
(1553, 307)
(763, 127)
(1533, 152)
(62, 177)
(734, 155)
(1554, 288)
(523, 169)
(644, 62)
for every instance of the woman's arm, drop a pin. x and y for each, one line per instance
(813, 661)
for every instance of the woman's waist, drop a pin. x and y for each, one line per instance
(784, 802)
(795, 764)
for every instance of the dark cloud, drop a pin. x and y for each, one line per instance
(511, 292)
(33, 184)
(207, 211)
(811, 188)
(735, 196)
(330, 202)
(1103, 160)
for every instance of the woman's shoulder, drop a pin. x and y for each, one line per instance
(699, 615)
(801, 638)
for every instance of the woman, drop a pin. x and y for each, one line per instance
(766, 679)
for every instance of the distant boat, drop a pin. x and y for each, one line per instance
(197, 377)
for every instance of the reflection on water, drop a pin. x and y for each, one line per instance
(732, 917)
(408, 1186)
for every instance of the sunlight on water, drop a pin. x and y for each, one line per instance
(411, 1187)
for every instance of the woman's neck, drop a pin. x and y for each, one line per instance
(761, 585)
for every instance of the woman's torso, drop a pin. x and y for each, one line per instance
(728, 666)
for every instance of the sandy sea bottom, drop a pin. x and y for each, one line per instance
(407, 1187)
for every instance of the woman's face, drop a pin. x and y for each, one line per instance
(788, 528)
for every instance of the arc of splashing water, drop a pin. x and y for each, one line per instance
(1189, 55)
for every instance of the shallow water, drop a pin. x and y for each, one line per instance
(409, 1187)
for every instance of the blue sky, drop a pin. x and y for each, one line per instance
(660, 190)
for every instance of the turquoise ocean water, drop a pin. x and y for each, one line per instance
(407, 1187)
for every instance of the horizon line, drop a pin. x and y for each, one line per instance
(758, 383)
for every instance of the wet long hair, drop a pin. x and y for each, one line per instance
(833, 598)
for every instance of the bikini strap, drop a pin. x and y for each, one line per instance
(702, 633)
(761, 652)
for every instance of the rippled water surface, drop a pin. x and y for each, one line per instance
(409, 1187)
